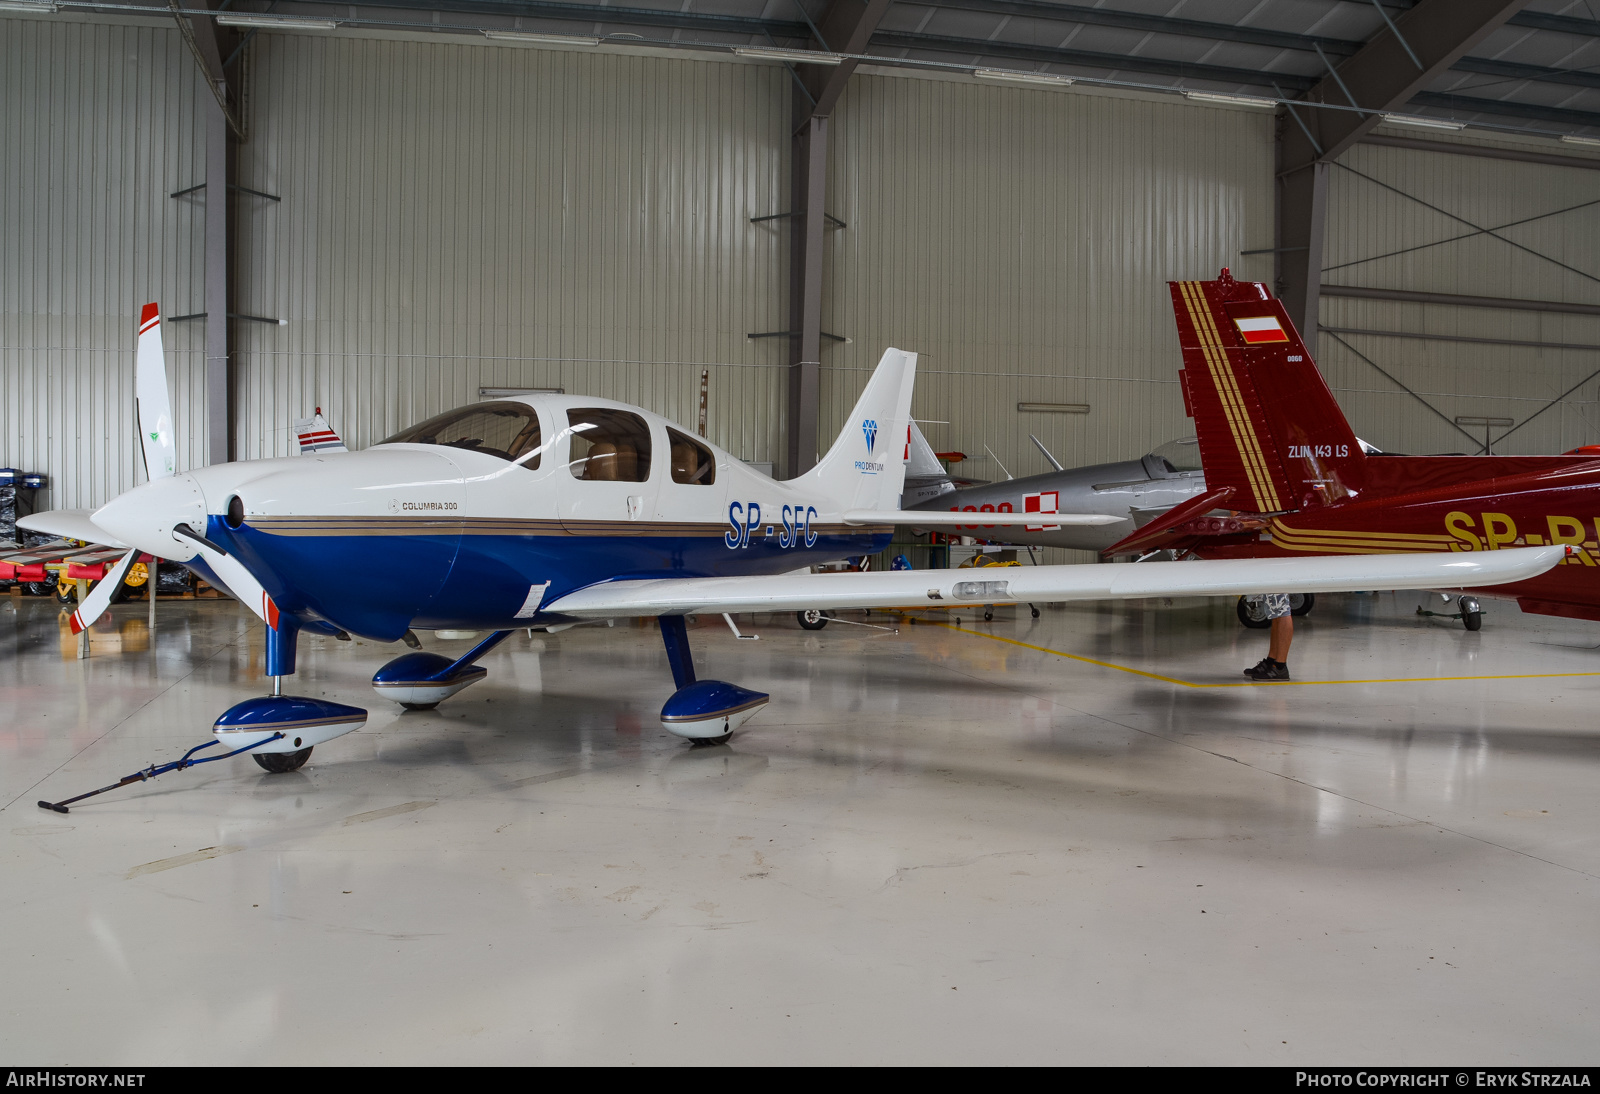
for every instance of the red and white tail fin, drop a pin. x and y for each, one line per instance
(1267, 423)
(316, 435)
(154, 404)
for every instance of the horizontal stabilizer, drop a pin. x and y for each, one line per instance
(1226, 577)
(70, 524)
(1154, 534)
(928, 518)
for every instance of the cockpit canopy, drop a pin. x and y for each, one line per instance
(504, 429)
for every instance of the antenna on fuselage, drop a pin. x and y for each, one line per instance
(1040, 445)
(996, 459)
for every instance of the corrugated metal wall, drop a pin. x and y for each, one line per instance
(98, 124)
(457, 216)
(1021, 240)
(1389, 211)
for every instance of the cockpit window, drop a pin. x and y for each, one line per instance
(692, 462)
(1180, 455)
(609, 446)
(504, 429)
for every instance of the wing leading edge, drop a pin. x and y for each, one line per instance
(1227, 577)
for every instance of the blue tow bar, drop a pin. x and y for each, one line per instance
(157, 769)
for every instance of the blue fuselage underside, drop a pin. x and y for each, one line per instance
(381, 586)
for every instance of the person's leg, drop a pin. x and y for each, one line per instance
(1282, 635)
(1275, 666)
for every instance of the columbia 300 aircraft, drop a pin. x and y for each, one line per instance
(548, 511)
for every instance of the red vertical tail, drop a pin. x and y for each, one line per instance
(1267, 423)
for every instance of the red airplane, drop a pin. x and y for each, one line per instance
(1280, 457)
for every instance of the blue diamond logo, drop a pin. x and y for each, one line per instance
(869, 428)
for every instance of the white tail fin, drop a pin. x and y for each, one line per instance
(155, 405)
(866, 467)
(316, 435)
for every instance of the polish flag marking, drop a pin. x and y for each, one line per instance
(1262, 328)
(1047, 502)
(269, 610)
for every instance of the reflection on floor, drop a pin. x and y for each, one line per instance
(944, 844)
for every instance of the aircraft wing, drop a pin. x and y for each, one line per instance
(70, 524)
(929, 518)
(1228, 577)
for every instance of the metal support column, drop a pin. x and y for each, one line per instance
(219, 284)
(1302, 220)
(808, 189)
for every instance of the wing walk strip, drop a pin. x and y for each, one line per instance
(1260, 683)
(1233, 404)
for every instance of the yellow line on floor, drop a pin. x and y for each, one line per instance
(1258, 683)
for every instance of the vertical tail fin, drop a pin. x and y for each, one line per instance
(866, 467)
(154, 409)
(1267, 423)
(316, 435)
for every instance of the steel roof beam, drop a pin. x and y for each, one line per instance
(1224, 32)
(1381, 77)
(847, 26)
(1054, 55)
(593, 13)
(1483, 151)
(1151, 24)
(1248, 77)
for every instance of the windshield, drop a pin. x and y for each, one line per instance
(507, 430)
(1181, 455)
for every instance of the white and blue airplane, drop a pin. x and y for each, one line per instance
(548, 511)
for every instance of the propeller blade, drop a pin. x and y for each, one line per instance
(99, 598)
(155, 404)
(244, 587)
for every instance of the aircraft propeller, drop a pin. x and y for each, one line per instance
(157, 442)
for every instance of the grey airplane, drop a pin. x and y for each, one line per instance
(1135, 490)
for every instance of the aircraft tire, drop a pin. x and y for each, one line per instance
(281, 763)
(1471, 613)
(1307, 602)
(1248, 619)
(707, 742)
(419, 706)
(813, 620)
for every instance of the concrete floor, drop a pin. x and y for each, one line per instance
(941, 846)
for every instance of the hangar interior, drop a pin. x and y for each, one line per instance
(1000, 829)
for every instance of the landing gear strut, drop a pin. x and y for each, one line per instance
(704, 711)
